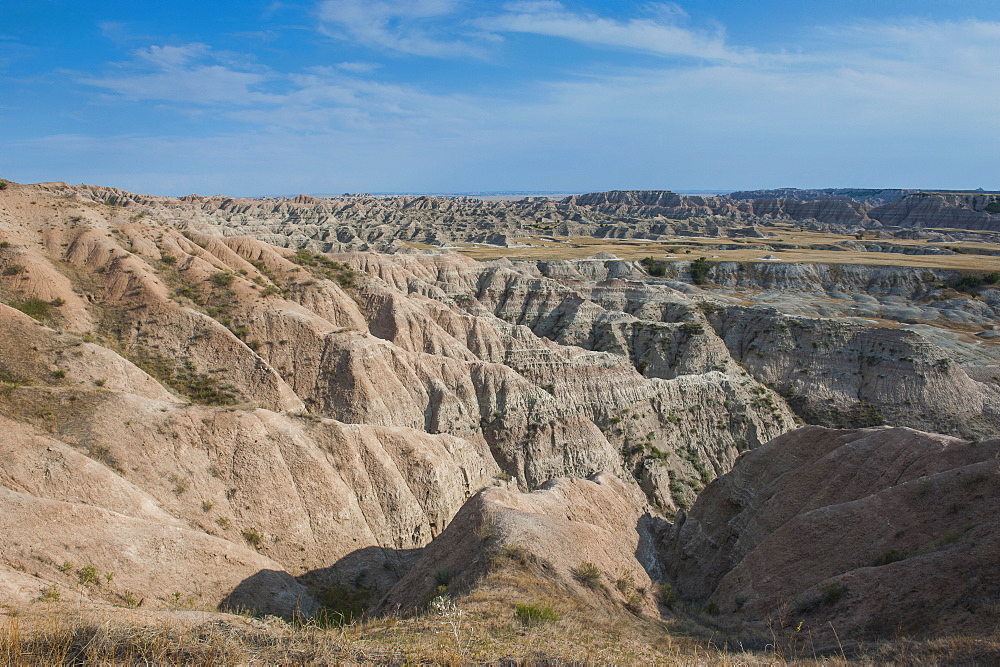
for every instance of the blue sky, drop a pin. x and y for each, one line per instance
(328, 96)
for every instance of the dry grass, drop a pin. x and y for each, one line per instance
(579, 247)
(482, 629)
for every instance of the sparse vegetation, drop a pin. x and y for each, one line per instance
(324, 267)
(699, 271)
(222, 279)
(253, 537)
(13, 269)
(341, 604)
(668, 596)
(588, 574)
(530, 614)
(654, 267)
(832, 593)
(49, 594)
(88, 575)
(104, 455)
(180, 486)
(186, 380)
(442, 578)
(890, 556)
(625, 583)
(39, 309)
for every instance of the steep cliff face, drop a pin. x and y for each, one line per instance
(934, 210)
(870, 532)
(903, 294)
(844, 374)
(870, 196)
(847, 213)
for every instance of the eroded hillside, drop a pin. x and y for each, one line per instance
(276, 423)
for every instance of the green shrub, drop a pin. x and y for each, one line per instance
(967, 283)
(654, 267)
(693, 328)
(634, 603)
(442, 577)
(699, 270)
(832, 593)
(270, 290)
(625, 583)
(253, 537)
(13, 270)
(993, 207)
(668, 596)
(222, 279)
(50, 594)
(531, 614)
(588, 574)
(88, 575)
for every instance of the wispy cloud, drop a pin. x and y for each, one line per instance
(659, 33)
(413, 27)
(900, 98)
(196, 78)
(190, 74)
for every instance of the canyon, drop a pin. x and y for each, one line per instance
(212, 403)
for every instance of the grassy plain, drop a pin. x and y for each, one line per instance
(548, 247)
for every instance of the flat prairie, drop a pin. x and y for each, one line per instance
(970, 256)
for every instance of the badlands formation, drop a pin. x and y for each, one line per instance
(210, 403)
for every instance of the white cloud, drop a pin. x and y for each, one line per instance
(357, 67)
(408, 27)
(320, 99)
(173, 57)
(189, 74)
(884, 104)
(658, 34)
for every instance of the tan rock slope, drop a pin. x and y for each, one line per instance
(307, 421)
(585, 536)
(875, 533)
(328, 417)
